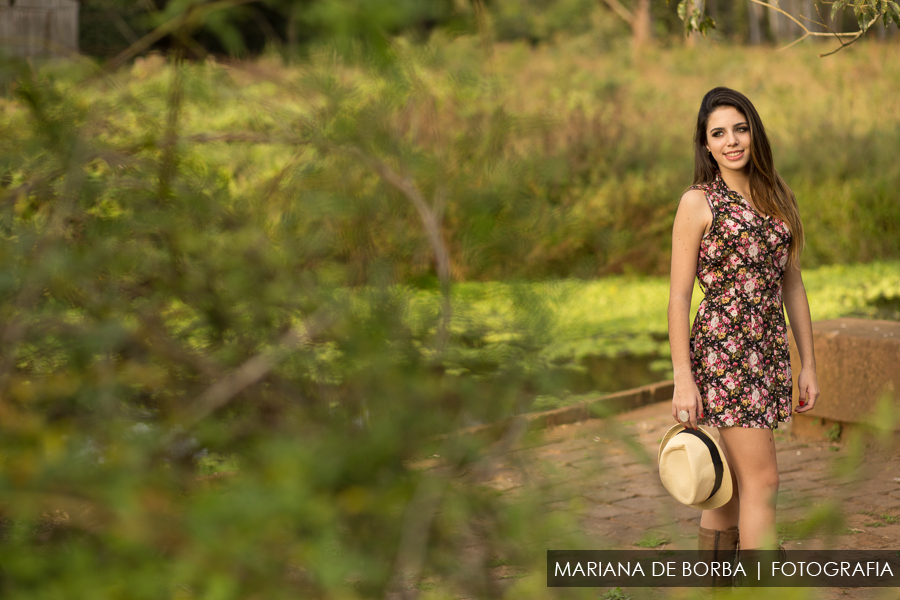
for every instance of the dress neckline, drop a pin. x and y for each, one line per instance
(741, 197)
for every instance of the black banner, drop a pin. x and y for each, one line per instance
(692, 568)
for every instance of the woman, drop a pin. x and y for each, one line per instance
(738, 230)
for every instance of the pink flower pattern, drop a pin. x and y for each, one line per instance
(740, 357)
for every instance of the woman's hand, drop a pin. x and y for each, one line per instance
(687, 397)
(808, 388)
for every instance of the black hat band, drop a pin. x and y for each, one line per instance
(714, 453)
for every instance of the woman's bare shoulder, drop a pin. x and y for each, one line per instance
(693, 198)
(693, 209)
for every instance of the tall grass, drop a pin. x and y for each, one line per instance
(572, 158)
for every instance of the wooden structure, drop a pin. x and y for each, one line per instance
(45, 28)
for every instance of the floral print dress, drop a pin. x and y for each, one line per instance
(740, 357)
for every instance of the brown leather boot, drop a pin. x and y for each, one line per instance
(718, 546)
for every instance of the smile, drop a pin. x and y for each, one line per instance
(734, 155)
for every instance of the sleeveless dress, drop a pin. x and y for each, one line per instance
(740, 358)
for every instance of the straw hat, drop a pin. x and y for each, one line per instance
(693, 468)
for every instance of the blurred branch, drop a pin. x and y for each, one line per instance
(252, 371)
(855, 35)
(417, 520)
(239, 136)
(120, 24)
(113, 159)
(32, 287)
(426, 501)
(168, 160)
(124, 156)
(192, 14)
(152, 335)
(620, 10)
(432, 228)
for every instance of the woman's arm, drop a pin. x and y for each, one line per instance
(793, 294)
(691, 222)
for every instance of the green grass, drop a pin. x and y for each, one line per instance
(616, 594)
(616, 316)
(652, 540)
(790, 530)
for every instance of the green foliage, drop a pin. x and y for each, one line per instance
(695, 19)
(615, 594)
(215, 380)
(869, 12)
(652, 540)
(542, 20)
(866, 12)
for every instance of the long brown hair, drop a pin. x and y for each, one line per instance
(771, 195)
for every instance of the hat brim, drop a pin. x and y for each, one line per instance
(723, 495)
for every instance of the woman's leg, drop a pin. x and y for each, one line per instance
(727, 515)
(751, 456)
(717, 538)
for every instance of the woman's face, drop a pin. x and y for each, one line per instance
(728, 138)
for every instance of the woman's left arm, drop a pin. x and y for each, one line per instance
(793, 295)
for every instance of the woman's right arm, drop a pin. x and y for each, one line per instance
(691, 222)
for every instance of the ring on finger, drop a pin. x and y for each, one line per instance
(684, 416)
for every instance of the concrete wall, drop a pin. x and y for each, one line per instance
(39, 27)
(857, 363)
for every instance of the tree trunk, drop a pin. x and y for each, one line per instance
(293, 45)
(641, 25)
(753, 15)
(691, 6)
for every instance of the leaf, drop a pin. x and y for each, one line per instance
(895, 11)
(835, 8)
(707, 24)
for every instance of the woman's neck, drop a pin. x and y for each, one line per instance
(738, 181)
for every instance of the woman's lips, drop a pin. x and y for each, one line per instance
(734, 156)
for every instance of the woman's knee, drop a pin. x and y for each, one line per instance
(759, 481)
(769, 479)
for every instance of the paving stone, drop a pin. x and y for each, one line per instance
(618, 498)
(640, 503)
(656, 490)
(607, 495)
(643, 520)
(601, 528)
(883, 501)
(620, 460)
(866, 541)
(880, 487)
(682, 513)
(606, 511)
(799, 485)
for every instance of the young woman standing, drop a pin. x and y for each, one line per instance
(738, 230)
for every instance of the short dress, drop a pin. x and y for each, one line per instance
(740, 358)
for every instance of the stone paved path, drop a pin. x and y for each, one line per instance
(606, 474)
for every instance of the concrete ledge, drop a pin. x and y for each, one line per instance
(602, 406)
(857, 363)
